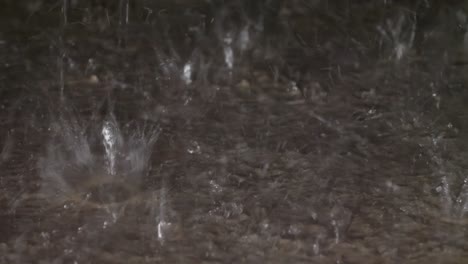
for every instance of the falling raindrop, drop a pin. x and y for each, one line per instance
(6, 149)
(124, 11)
(187, 74)
(163, 225)
(127, 10)
(336, 231)
(316, 247)
(65, 12)
(244, 38)
(228, 52)
(62, 56)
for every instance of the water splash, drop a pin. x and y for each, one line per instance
(187, 73)
(162, 224)
(400, 32)
(228, 51)
(452, 190)
(194, 147)
(75, 174)
(67, 151)
(455, 205)
(112, 140)
(148, 14)
(446, 199)
(159, 212)
(462, 200)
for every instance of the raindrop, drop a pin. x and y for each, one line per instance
(65, 12)
(215, 187)
(316, 247)
(228, 52)
(91, 66)
(229, 57)
(400, 50)
(6, 150)
(264, 225)
(391, 186)
(45, 235)
(187, 74)
(194, 148)
(244, 38)
(462, 200)
(111, 139)
(162, 230)
(336, 231)
(187, 99)
(294, 230)
(293, 89)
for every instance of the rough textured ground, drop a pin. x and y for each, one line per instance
(337, 136)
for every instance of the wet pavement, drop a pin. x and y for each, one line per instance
(191, 132)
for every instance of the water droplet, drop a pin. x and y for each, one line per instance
(293, 89)
(316, 247)
(187, 74)
(400, 50)
(314, 215)
(228, 52)
(336, 231)
(215, 187)
(45, 235)
(294, 230)
(229, 57)
(265, 225)
(187, 99)
(244, 38)
(390, 185)
(194, 148)
(111, 139)
(233, 210)
(163, 227)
